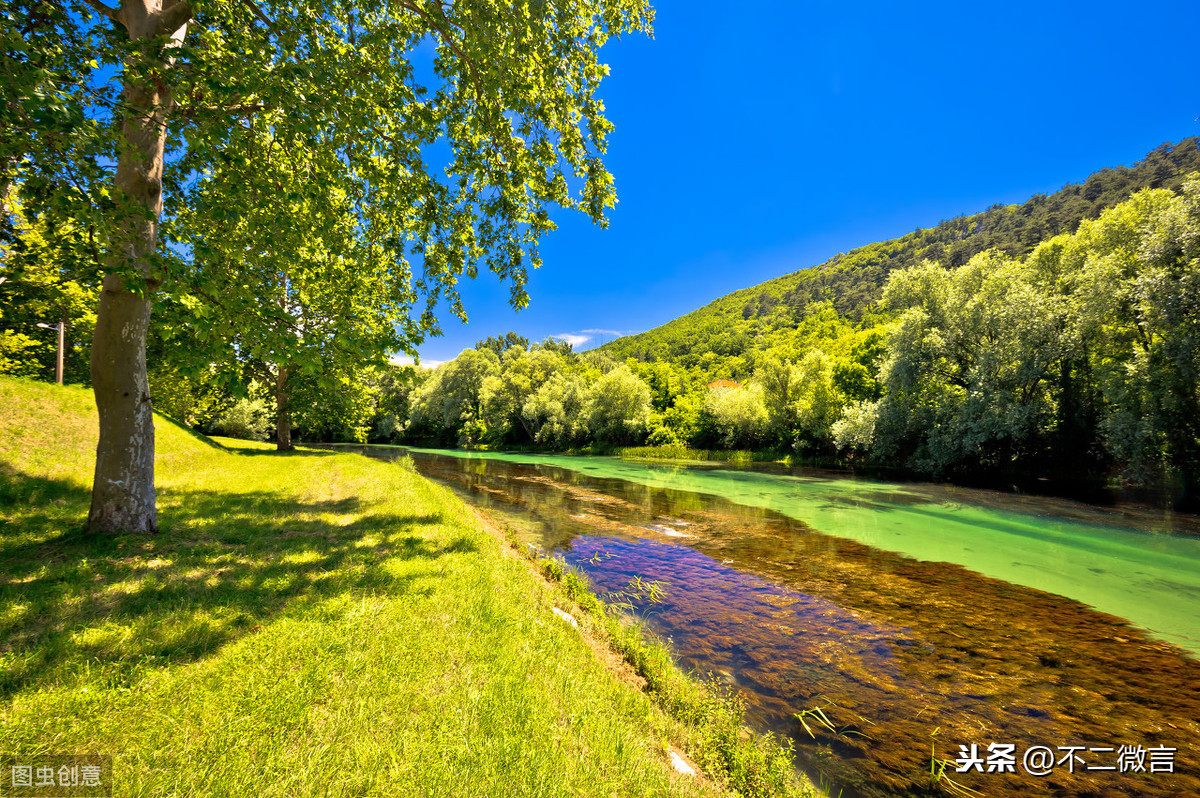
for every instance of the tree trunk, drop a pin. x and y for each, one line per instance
(283, 418)
(123, 486)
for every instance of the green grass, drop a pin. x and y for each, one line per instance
(304, 624)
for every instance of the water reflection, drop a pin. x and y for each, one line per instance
(900, 654)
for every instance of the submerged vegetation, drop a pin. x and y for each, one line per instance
(847, 596)
(753, 764)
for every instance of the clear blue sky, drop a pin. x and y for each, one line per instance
(753, 140)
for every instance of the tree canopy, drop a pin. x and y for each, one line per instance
(287, 171)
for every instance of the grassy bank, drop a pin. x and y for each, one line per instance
(711, 714)
(304, 624)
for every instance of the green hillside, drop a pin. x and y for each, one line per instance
(763, 316)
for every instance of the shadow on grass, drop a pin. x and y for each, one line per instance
(226, 563)
(18, 491)
(300, 451)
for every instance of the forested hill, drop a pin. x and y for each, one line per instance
(853, 281)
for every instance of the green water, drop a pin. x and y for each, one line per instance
(1093, 556)
(904, 611)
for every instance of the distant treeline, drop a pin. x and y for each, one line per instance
(1078, 358)
(1059, 337)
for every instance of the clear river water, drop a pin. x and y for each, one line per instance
(918, 618)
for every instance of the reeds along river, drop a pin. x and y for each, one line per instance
(918, 619)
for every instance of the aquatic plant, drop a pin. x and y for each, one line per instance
(937, 772)
(638, 591)
(817, 714)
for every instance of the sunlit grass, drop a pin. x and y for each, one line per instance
(304, 624)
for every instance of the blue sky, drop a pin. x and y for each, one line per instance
(756, 139)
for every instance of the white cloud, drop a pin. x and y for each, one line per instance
(573, 339)
(406, 360)
(594, 336)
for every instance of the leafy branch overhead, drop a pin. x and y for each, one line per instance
(446, 131)
(300, 175)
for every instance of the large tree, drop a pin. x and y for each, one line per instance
(418, 138)
(970, 377)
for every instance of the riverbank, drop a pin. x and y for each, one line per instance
(680, 452)
(816, 592)
(305, 623)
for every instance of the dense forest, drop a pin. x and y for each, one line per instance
(1024, 343)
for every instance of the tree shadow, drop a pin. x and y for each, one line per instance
(18, 490)
(225, 564)
(299, 451)
(207, 441)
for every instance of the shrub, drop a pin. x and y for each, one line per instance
(248, 419)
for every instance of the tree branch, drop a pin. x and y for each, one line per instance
(263, 18)
(242, 110)
(448, 40)
(104, 10)
(175, 17)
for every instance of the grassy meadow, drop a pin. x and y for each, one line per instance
(303, 624)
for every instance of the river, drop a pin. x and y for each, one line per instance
(917, 618)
